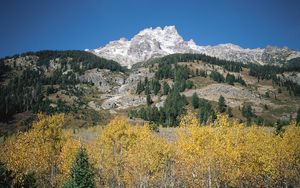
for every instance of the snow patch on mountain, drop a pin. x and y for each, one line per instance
(157, 42)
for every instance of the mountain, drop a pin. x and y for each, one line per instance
(171, 71)
(150, 43)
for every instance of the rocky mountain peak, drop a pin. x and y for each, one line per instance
(157, 42)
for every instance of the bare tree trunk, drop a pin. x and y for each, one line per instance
(209, 177)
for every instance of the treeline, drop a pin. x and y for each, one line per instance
(292, 65)
(178, 73)
(79, 61)
(261, 72)
(269, 72)
(175, 58)
(21, 94)
(28, 89)
(152, 86)
(205, 113)
(167, 115)
(27, 92)
(221, 154)
(3, 69)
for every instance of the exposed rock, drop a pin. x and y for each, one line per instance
(234, 95)
(293, 76)
(134, 78)
(105, 80)
(94, 106)
(123, 101)
(157, 42)
(25, 61)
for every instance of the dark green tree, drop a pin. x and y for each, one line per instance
(149, 100)
(216, 76)
(229, 112)
(189, 84)
(221, 104)
(6, 177)
(28, 181)
(230, 79)
(166, 88)
(155, 86)
(174, 106)
(195, 100)
(81, 175)
(247, 111)
(298, 116)
(140, 87)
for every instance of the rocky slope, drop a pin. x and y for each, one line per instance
(158, 42)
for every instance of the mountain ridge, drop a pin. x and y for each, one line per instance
(158, 42)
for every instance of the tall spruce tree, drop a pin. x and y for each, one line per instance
(298, 116)
(222, 105)
(81, 172)
(195, 100)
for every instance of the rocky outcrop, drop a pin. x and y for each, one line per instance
(105, 80)
(234, 95)
(123, 101)
(134, 78)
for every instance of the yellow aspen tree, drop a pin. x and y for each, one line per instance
(146, 160)
(193, 153)
(39, 151)
(67, 156)
(288, 156)
(110, 151)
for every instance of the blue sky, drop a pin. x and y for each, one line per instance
(31, 25)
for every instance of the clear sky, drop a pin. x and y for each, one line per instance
(31, 25)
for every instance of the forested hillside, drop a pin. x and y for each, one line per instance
(29, 80)
(90, 89)
(178, 74)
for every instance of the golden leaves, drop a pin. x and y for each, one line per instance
(231, 154)
(44, 150)
(223, 154)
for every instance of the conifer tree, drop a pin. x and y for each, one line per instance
(195, 100)
(166, 88)
(298, 116)
(149, 100)
(81, 172)
(222, 105)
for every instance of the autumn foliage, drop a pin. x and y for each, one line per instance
(45, 150)
(225, 153)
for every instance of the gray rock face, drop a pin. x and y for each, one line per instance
(123, 101)
(293, 76)
(27, 61)
(235, 96)
(104, 79)
(158, 42)
(133, 79)
(146, 44)
(273, 55)
(118, 89)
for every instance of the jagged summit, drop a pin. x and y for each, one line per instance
(158, 42)
(147, 44)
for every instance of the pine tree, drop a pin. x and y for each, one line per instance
(149, 100)
(195, 100)
(298, 116)
(81, 172)
(229, 112)
(6, 177)
(230, 79)
(222, 105)
(166, 88)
